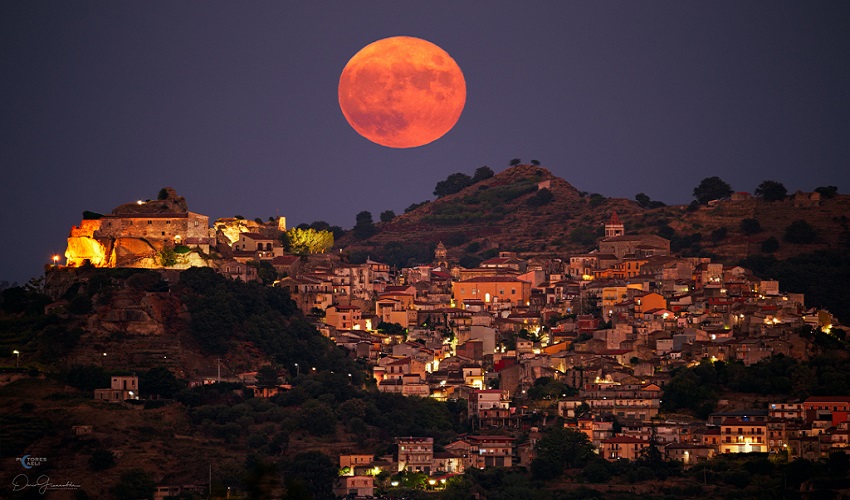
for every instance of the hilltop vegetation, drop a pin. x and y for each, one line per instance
(804, 243)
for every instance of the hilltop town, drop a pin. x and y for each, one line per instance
(590, 341)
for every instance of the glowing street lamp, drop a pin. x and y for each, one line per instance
(17, 354)
(55, 260)
(297, 370)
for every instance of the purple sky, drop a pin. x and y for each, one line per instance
(234, 104)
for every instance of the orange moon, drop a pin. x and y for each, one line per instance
(402, 92)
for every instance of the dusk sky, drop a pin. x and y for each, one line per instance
(234, 104)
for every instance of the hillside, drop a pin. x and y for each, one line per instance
(502, 213)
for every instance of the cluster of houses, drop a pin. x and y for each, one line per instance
(611, 323)
(618, 313)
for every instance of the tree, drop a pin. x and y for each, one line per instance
(454, 183)
(160, 381)
(646, 202)
(101, 459)
(316, 470)
(267, 377)
(750, 226)
(134, 484)
(515, 162)
(770, 245)
(482, 173)
(542, 197)
(87, 378)
(827, 192)
(364, 227)
(687, 390)
(318, 418)
(387, 215)
(265, 271)
(800, 232)
(391, 328)
(771, 191)
(414, 206)
(711, 188)
(560, 449)
(167, 256)
(719, 234)
(306, 241)
(535, 163)
(666, 232)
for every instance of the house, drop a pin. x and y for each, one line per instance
(257, 246)
(344, 317)
(489, 407)
(355, 486)
(236, 270)
(743, 436)
(834, 408)
(492, 289)
(164, 491)
(287, 265)
(121, 389)
(415, 454)
(446, 462)
(622, 447)
(348, 462)
(689, 454)
(268, 392)
(491, 451)
(645, 245)
(81, 430)
(309, 292)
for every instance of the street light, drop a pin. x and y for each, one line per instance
(55, 260)
(17, 354)
(297, 370)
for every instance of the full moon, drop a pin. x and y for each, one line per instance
(402, 92)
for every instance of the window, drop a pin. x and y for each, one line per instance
(150, 222)
(196, 223)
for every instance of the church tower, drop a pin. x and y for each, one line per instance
(614, 227)
(440, 255)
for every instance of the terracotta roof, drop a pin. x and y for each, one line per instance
(625, 440)
(285, 260)
(493, 279)
(255, 236)
(181, 215)
(614, 219)
(828, 399)
(742, 423)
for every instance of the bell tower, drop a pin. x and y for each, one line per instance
(440, 255)
(614, 227)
